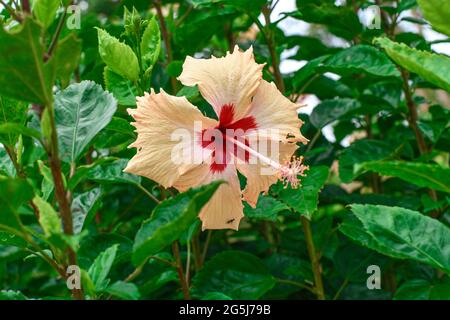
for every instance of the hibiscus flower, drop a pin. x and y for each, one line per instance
(249, 110)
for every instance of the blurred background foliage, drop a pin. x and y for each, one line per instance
(377, 117)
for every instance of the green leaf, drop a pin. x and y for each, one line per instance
(118, 56)
(305, 199)
(6, 165)
(151, 43)
(45, 11)
(437, 12)
(12, 295)
(434, 68)
(48, 218)
(23, 74)
(421, 174)
(361, 59)
(99, 270)
(245, 5)
(407, 234)
(124, 290)
(304, 75)
(237, 274)
(216, 296)
(330, 110)
(175, 68)
(81, 111)
(83, 207)
(17, 129)
(340, 20)
(106, 171)
(267, 208)
(361, 151)
(14, 193)
(11, 111)
(169, 220)
(67, 57)
(122, 89)
(420, 289)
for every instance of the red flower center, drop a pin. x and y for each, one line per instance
(223, 149)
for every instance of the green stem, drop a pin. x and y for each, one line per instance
(315, 263)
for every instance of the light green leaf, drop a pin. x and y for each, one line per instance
(118, 56)
(150, 43)
(48, 218)
(330, 110)
(122, 89)
(45, 11)
(17, 129)
(11, 111)
(236, 274)
(403, 233)
(432, 67)
(437, 12)
(81, 111)
(124, 290)
(23, 74)
(361, 59)
(169, 220)
(12, 295)
(305, 199)
(421, 174)
(99, 270)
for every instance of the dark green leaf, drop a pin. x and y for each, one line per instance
(66, 58)
(330, 110)
(169, 220)
(406, 234)
(361, 151)
(361, 59)
(267, 208)
(237, 274)
(304, 200)
(421, 289)
(421, 174)
(124, 290)
(23, 74)
(83, 207)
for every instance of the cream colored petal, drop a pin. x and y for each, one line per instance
(259, 175)
(275, 115)
(166, 145)
(232, 79)
(225, 209)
